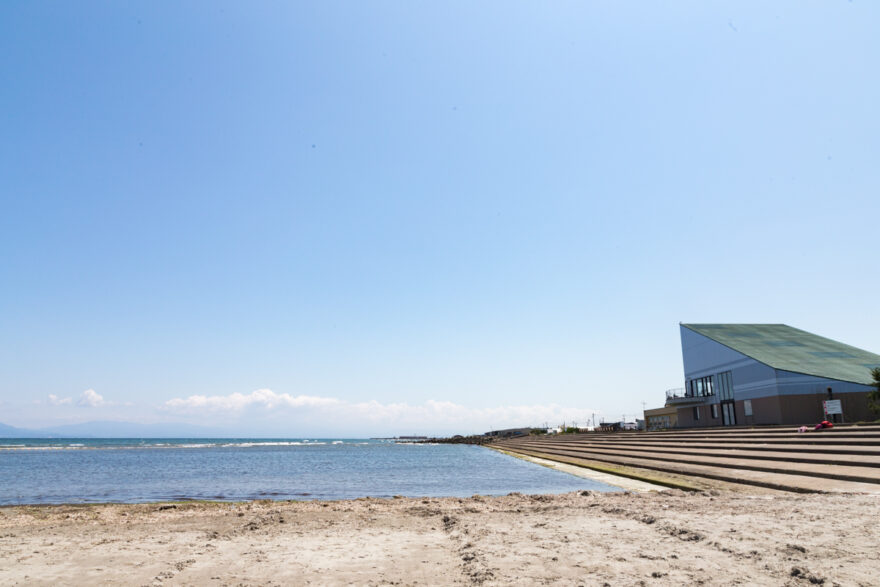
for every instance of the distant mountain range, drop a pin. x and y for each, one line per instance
(7, 431)
(114, 430)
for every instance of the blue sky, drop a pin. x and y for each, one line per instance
(393, 218)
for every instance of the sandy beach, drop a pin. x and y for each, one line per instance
(651, 538)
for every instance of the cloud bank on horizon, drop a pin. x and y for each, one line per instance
(264, 411)
(431, 417)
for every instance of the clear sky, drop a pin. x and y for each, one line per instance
(420, 217)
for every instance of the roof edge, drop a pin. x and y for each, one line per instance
(689, 327)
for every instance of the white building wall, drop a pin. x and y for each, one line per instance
(703, 356)
(790, 383)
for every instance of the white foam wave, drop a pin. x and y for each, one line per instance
(169, 445)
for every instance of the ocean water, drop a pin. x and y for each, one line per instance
(48, 471)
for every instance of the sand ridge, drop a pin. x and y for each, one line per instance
(586, 538)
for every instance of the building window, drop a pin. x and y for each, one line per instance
(724, 385)
(715, 411)
(701, 387)
(696, 412)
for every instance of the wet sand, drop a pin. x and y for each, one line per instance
(651, 538)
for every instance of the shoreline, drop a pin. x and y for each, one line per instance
(666, 537)
(626, 483)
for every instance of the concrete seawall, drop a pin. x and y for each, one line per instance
(842, 459)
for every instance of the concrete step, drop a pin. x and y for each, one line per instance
(773, 480)
(840, 472)
(857, 460)
(757, 447)
(725, 431)
(785, 429)
(824, 438)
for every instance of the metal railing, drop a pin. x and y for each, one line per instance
(676, 393)
(682, 393)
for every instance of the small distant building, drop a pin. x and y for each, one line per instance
(609, 426)
(745, 374)
(661, 418)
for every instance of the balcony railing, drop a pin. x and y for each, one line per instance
(675, 393)
(680, 392)
(682, 396)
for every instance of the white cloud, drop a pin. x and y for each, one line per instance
(238, 401)
(90, 399)
(87, 399)
(430, 416)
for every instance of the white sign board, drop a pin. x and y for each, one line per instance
(747, 407)
(832, 406)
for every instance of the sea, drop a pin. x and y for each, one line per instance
(88, 470)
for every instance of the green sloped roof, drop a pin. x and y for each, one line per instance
(789, 349)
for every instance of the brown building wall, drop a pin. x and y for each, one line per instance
(785, 409)
(765, 410)
(686, 417)
(807, 409)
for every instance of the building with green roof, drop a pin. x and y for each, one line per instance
(744, 374)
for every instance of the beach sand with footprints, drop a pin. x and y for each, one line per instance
(646, 538)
